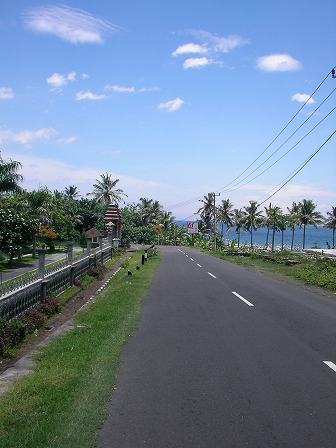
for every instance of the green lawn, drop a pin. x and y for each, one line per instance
(62, 403)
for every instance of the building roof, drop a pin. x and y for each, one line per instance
(92, 232)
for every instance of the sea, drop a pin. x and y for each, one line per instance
(315, 237)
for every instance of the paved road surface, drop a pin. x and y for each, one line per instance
(225, 357)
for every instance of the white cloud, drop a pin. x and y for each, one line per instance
(6, 93)
(67, 140)
(303, 98)
(85, 76)
(278, 63)
(197, 62)
(190, 48)
(220, 44)
(150, 89)
(59, 80)
(119, 89)
(27, 137)
(55, 174)
(171, 105)
(70, 24)
(89, 96)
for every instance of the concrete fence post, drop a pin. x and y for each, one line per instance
(41, 262)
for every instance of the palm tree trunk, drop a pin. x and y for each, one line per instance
(304, 236)
(251, 231)
(273, 234)
(267, 233)
(292, 242)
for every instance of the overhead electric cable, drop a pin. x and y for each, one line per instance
(274, 152)
(294, 173)
(190, 201)
(283, 155)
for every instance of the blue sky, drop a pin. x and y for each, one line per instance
(175, 99)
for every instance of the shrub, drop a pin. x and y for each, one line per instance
(98, 271)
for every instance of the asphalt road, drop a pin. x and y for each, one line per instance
(225, 357)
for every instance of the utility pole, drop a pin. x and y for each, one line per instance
(215, 223)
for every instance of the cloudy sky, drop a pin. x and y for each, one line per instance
(175, 99)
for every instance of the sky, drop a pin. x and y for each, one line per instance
(176, 99)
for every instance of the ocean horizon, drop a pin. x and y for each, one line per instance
(315, 237)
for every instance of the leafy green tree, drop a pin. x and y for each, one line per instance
(330, 223)
(16, 231)
(307, 215)
(71, 192)
(105, 191)
(9, 177)
(252, 218)
(293, 220)
(39, 206)
(207, 211)
(225, 214)
(238, 222)
(272, 220)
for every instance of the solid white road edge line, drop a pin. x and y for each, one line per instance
(242, 298)
(330, 364)
(212, 275)
(199, 265)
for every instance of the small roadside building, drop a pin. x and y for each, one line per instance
(112, 222)
(94, 235)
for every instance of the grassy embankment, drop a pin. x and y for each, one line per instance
(61, 404)
(309, 269)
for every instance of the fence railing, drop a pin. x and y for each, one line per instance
(26, 293)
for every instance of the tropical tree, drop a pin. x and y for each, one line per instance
(17, 230)
(307, 215)
(293, 220)
(9, 178)
(252, 218)
(238, 220)
(225, 214)
(330, 223)
(39, 206)
(273, 218)
(207, 210)
(105, 191)
(71, 192)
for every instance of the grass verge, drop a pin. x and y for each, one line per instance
(62, 403)
(310, 270)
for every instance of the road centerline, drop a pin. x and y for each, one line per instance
(212, 275)
(331, 365)
(242, 298)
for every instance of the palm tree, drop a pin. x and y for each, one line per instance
(166, 220)
(225, 214)
(307, 215)
(330, 223)
(207, 210)
(104, 191)
(71, 192)
(9, 177)
(39, 206)
(273, 220)
(252, 218)
(238, 220)
(293, 220)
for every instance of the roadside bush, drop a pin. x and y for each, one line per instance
(98, 271)
(12, 333)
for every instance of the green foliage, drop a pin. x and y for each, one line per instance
(13, 332)
(17, 230)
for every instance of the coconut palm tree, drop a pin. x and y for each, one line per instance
(9, 178)
(207, 210)
(307, 215)
(238, 220)
(273, 220)
(105, 192)
(293, 220)
(252, 218)
(330, 223)
(225, 214)
(71, 192)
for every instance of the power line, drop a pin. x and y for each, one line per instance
(283, 155)
(190, 201)
(293, 174)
